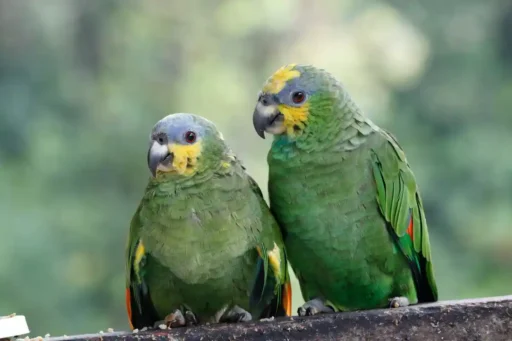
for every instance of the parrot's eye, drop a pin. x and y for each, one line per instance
(190, 137)
(161, 138)
(298, 97)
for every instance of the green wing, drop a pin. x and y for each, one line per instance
(141, 312)
(272, 291)
(401, 206)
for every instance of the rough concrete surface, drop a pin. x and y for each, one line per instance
(472, 320)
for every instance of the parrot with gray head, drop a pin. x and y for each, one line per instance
(345, 197)
(203, 245)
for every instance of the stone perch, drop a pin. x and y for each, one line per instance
(475, 319)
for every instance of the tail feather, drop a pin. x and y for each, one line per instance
(287, 298)
(141, 312)
(423, 289)
(264, 294)
(281, 304)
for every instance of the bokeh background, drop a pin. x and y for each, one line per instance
(83, 82)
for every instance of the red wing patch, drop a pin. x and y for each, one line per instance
(410, 229)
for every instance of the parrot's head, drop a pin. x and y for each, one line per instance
(294, 99)
(184, 144)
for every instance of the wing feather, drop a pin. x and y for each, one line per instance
(140, 309)
(400, 204)
(272, 278)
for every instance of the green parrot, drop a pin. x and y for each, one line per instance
(203, 246)
(343, 193)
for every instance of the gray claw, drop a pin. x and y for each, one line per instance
(235, 315)
(397, 302)
(314, 307)
(190, 318)
(157, 324)
(175, 319)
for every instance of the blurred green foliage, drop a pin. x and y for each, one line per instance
(83, 82)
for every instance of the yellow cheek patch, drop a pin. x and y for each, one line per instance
(185, 157)
(278, 80)
(294, 116)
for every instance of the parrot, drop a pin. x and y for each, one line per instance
(202, 246)
(344, 195)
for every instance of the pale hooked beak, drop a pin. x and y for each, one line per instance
(266, 116)
(159, 155)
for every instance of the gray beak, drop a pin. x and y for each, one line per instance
(259, 122)
(265, 114)
(158, 154)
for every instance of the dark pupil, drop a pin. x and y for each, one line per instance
(191, 137)
(298, 97)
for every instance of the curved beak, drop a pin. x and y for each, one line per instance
(158, 155)
(259, 122)
(266, 116)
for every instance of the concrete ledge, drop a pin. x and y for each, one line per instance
(475, 319)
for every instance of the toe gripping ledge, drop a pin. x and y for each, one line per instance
(475, 319)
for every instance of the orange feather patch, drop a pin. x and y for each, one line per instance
(128, 306)
(410, 229)
(287, 299)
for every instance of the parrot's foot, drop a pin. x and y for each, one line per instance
(397, 302)
(175, 319)
(190, 318)
(236, 314)
(314, 307)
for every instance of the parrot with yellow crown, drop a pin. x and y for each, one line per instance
(345, 197)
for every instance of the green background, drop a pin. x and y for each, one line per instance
(83, 82)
